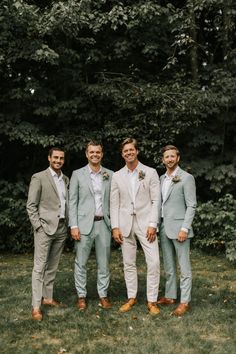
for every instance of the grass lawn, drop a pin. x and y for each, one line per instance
(210, 327)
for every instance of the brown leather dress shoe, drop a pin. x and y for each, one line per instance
(166, 301)
(105, 303)
(81, 303)
(153, 308)
(53, 303)
(37, 314)
(181, 309)
(128, 305)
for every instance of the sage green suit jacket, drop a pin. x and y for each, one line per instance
(82, 200)
(179, 205)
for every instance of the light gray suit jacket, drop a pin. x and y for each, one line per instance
(43, 204)
(179, 205)
(147, 199)
(82, 201)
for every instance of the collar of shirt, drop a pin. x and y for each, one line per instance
(172, 174)
(94, 173)
(54, 174)
(136, 170)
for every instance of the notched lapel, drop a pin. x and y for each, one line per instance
(49, 176)
(88, 179)
(125, 178)
(173, 184)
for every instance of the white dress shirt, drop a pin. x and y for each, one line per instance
(96, 178)
(61, 190)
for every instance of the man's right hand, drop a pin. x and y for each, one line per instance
(117, 235)
(75, 234)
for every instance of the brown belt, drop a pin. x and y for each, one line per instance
(98, 218)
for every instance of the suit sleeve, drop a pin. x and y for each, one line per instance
(190, 201)
(155, 198)
(114, 203)
(73, 199)
(33, 201)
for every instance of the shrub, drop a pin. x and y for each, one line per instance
(15, 229)
(215, 228)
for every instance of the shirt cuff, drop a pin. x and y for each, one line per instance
(153, 224)
(74, 227)
(184, 229)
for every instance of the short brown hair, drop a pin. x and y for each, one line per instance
(55, 148)
(170, 147)
(129, 141)
(93, 143)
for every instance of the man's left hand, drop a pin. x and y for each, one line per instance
(182, 236)
(151, 234)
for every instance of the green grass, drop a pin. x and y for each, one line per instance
(209, 328)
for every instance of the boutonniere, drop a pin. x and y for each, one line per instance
(141, 175)
(105, 176)
(176, 179)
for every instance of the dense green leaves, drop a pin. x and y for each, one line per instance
(215, 226)
(161, 71)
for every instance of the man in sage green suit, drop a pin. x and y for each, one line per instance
(89, 220)
(47, 210)
(177, 212)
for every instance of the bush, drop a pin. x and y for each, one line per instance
(215, 228)
(15, 229)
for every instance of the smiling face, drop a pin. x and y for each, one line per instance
(56, 160)
(130, 154)
(94, 154)
(170, 159)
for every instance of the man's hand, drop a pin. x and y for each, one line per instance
(75, 233)
(151, 234)
(117, 235)
(182, 236)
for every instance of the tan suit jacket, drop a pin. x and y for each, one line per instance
(146, 203)
(43, 204)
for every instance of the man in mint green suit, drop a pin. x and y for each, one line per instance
(177, 212)
(89, 220)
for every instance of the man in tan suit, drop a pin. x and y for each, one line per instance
(135, 196)
(47, 210)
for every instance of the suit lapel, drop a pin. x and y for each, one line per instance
(88, 179)
(171, 185)
(141, 168)
(103, 184)
(125, 181)
(49, 176)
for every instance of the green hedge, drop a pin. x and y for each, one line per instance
(215, 226)
(214, 223)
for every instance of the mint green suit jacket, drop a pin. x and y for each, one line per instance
(82, 200)
(179, 205)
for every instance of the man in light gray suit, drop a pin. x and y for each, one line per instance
(178, 208)
(47, 210)
(89, 220)
(135, 196)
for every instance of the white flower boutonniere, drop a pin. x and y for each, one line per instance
(105, 176)
(141, 175)
(176, 179)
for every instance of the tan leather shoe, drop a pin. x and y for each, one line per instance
(105, 303)
(181, 309)
(53, 303)
(153, 308)
(81, 303)
(37, 314)
(166, 301)
(128, 305)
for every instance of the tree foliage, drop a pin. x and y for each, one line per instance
(161, 71)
